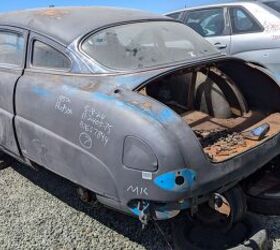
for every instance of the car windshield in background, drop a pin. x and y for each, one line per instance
(146, 45)
(274, 5)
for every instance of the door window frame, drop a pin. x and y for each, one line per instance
(249, 14)
(227, 29)
(60, 48)
(182, 15)
(24, 33)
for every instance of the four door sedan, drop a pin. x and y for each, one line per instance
(248, 30)
(135, 107)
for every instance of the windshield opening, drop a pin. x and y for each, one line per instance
(145, 45)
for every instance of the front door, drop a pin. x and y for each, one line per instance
(212, 24)
(12, 58)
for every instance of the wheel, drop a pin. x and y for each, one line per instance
(5, 161)
(263, 191)
(85, 195)
(223, 210)
(244, 235)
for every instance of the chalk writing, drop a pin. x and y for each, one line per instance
(85, 140)
(138, 190)
(95, 124)
(63, 105)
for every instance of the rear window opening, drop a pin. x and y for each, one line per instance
(142, 45)
(231, 107)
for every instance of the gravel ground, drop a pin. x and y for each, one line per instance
(39, 210)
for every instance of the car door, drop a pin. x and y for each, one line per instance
(51, 111)
(249, 40)
(212, 24)
(36, 122)
(12, 61)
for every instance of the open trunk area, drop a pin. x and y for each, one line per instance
(225, 138)
(231, 107)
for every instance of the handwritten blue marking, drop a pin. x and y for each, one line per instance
(40, 91)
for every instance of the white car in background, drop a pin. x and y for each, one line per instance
(247, 29)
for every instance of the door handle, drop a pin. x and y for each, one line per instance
(220, 45)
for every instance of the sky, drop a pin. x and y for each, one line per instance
(159, 6)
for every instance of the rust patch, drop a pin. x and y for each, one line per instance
(54, 13)
(235, 143)
(90, 86)
(147, 105)
(200, 121)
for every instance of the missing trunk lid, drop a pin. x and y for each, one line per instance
(220, 107)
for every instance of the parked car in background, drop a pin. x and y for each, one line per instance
(273, 4)
(246, 29)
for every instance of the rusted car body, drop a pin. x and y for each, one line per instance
(124, 114)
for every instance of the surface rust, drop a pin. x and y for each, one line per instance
(147, 105)
(52, 12)
(200, 121)
(235, 143)
(90, 86)
(222, 139)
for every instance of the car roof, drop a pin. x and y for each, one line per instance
(65, 24)
(243, 3)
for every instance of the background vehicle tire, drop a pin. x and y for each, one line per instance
(244, 235)
(264, 206)
(263, 190)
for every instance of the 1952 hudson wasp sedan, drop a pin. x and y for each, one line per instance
(132, 106)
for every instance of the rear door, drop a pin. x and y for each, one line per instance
(12, 60)
(36, 121)
(212, 24)
(249, 40)
(56, 118)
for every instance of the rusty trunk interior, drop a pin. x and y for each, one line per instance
(222, 103)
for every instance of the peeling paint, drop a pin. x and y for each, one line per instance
(164, 115)
(40, 91)
(69, 89)
(167, 181)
